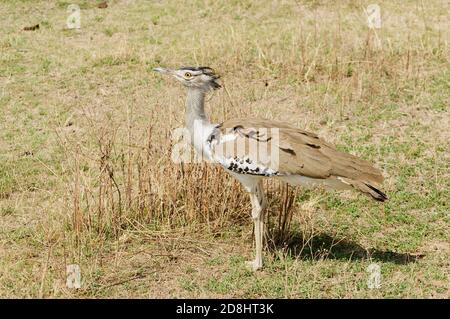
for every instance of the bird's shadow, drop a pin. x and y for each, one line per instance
(324, 246)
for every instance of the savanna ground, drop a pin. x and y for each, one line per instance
(85, 143)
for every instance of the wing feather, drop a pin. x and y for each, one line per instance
(299, 152)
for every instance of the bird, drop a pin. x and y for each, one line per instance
(254, 149)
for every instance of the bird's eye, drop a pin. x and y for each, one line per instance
(188, 74)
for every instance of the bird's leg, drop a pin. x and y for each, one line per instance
(258, 201)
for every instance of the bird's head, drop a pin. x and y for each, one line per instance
(202, 77)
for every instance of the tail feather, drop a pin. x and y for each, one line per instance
(376, 193)
(368, 189)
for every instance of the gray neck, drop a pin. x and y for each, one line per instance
(195, 108)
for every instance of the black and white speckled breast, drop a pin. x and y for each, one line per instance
(246, 166)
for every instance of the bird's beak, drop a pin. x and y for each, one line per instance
(163, 70)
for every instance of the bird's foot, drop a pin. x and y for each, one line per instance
(254, 265)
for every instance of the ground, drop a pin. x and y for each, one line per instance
(86, 175)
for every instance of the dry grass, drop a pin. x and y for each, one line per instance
(85, 140)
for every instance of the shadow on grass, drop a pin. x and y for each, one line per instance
(323, 246)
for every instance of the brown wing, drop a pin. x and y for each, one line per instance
(299, 152)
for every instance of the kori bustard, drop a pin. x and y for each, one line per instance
(290, 154)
